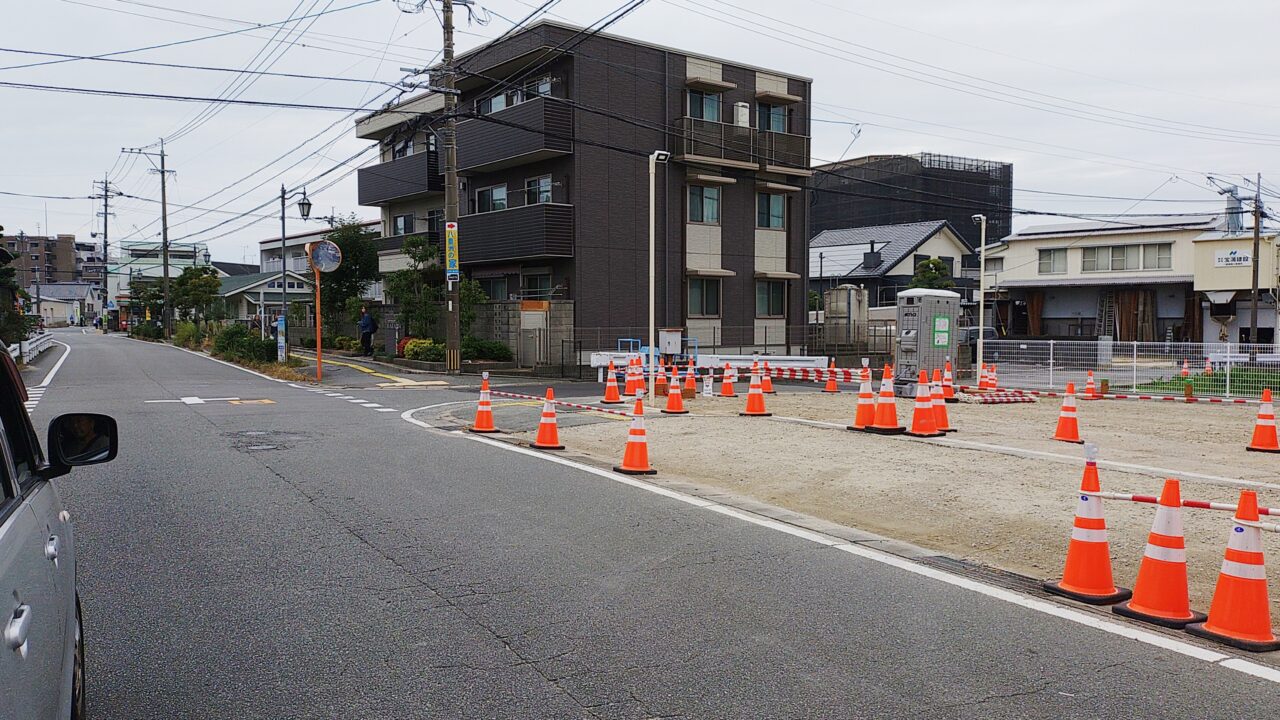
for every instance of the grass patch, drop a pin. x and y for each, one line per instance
(1245, 382)
(279, 371)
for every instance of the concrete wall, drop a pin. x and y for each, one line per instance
(1209, 277)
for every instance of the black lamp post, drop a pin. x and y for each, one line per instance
(304, 209)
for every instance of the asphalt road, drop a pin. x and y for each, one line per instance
(317, 558)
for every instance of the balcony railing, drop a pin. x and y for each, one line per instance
(542, 230)
(534, 130)
(715, 142)
(400, 179)
(783, 151)
(434, 239)
(298, 265)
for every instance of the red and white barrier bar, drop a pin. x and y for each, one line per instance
(621, 413)
(1121, 396)
(1200, 504)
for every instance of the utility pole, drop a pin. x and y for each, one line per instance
(164, 227)
(106, 222)
(1257, 241)
(453, 322)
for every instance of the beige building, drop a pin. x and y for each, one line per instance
(1143, 279)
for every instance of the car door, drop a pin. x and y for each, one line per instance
(32, 618)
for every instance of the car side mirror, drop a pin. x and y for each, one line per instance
(82, 439)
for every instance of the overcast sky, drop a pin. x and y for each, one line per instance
(1124, 99)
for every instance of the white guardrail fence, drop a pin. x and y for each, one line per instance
(28, 349)
(1212, 369)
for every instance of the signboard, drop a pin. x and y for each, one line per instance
(451, 271)
(281, 354)
(941, 331)
(1232, 258)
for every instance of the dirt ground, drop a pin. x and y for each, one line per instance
(984, 505)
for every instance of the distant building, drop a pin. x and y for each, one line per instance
(896, 189)
(230, 269)
(42, 258)
(90, 264)
(269, 252)
(74, 300)
(143, 260)
(883, 258)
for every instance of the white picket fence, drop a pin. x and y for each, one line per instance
(29, 349)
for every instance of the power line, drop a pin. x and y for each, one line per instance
(185, 98)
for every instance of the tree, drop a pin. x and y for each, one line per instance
(470, 294)
(815, 300)
(416, 289)
(358, 270)
(933, 274)
(14, 325)
(145, 295)
(194, 291)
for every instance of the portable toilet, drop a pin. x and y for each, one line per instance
(927, 335)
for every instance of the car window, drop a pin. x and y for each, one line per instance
(24, 450)
(8, 489)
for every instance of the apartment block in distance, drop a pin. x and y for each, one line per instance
(554, 190)
(42, 259)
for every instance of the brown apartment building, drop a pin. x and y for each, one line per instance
(42, 259)
(554, 187)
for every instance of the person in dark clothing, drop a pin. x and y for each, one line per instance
(367, 326)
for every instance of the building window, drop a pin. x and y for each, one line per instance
(1125, 257)
(704, 105)
(492, 104)
(535, 286)
(491, 198)
(1157, 257)
(402, 224)
(704, 297)
(494, 288)
(540, 87)
(772, 118)
(995, 265)
(1053, 261)
(916, 260)
(537, 190)
(771, 298)
(950, 264)
(1089, 259)
(770, 211)
(435, 220)
(403, 149)
(704, 204)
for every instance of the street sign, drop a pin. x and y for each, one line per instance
(451, 271)
(281, 353)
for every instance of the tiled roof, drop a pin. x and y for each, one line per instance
(842, 249)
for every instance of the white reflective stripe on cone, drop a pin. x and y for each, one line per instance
(1245, 539)
(1243, 571)
(1159, 552)
(1267, 422)
(1085, 535)
(1168, 522)
(1090, 507)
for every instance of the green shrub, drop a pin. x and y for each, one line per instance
(188, 335)
(424, 350)
(237, 344)
(345, 342)
(477, 349)
(146, 330)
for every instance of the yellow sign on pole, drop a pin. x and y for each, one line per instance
(451, 270)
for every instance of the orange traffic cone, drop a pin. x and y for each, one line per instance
(982, 377)
(611, 396)
(922, 422)
(1264, 429)
(548, 432)
(831, 378)
(642, 376)
(1160, 595)
(726, 386)
(766, 381)
(886, 421)
(675, 398)
(948, 384)
(1239, 614)
(865, 416)
(1090, 390)
(1185, 371)
(1208, 366)
(755, 399)
(940, 419)
(484, 410)
(691, 381)
(1068, 424)
(1087, 575)
(659, 381)
(994, 382)
(635, 460)
(632, 386)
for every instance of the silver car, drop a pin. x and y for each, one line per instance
(42, 660)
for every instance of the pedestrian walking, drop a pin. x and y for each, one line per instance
(367, 326)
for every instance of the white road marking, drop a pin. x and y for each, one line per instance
(357, 400)
(1046, 607)
(385, 410)
(56, 366)
(371, 405)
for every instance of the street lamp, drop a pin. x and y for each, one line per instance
(656, 157)
(981, 220)
(206, 257)
(304, 209)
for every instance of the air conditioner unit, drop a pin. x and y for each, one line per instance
(742, 114)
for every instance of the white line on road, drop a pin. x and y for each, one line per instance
(56, 366)
(1025, 601)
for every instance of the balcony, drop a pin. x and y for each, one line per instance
(783, 153)
(715, 143)
(400, 179)
(434, 239)
(534, 130)
(298, 265)
(542, 230)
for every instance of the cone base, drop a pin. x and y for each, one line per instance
(546, 447)
(674, 412)
(1199, 630)
(886, 431)
(728, 396)
(1126, 610)
(855, 428)
(947, 430)
(751, 414)
(483, 432)
(831, 392)
(1076, 442)
(1119, 595)
(925, 435)
(769, 392)
(1250, 448)
(953, 399)
(611, 402)
(633, 471)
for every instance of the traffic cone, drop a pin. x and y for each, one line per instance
(1068, 424)
(548, 432)
(632, 385)
(1087, 575)
(948, 384)
(1240, 615)
(922, 422)
(982, 377)
(994, 381)
(766, 381)
(642, 372)
(484, 410)
(755, 399)
(1185, 371)
(886, 420)
(1090, 390)
(659, 381)
(691, 381)
(675, 398)
(831, 378)
(635, 460)
(1208, 366)
(865, 416)
(726, 387)
(1160, 595)
(940, 418)
(1264, 429)
(611, 396)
